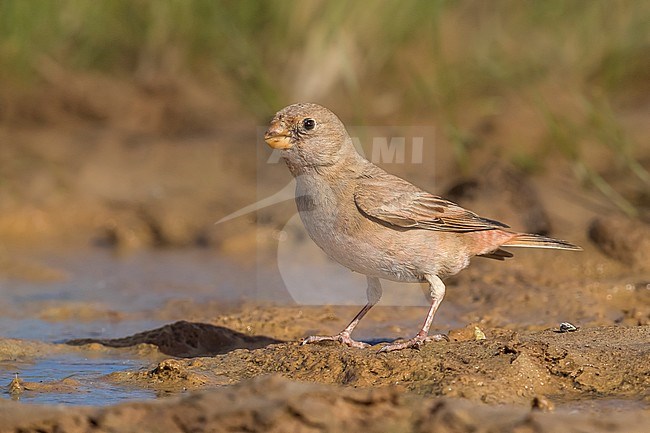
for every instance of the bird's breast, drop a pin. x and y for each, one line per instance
(334, 223)
(320, 207)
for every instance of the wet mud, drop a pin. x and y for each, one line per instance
(506, 368)
(594, 379)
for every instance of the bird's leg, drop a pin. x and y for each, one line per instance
(437, 294)
(374, 294)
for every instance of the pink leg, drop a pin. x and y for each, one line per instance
(374, 293)
(437, 295)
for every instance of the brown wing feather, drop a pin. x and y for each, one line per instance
(395, 201)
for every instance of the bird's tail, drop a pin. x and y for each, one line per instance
(537, 241)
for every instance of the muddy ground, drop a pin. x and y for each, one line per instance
(594, 379)
(204, 311)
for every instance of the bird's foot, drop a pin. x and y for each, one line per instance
(414, 343)
(343, 338)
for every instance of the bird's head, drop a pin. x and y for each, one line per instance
(308, 135)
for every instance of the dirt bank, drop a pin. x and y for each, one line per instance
(272, 404)
(505, 368)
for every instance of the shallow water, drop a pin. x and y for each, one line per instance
(61, 331)
(100, 295)
(141, 280)
(87, 390)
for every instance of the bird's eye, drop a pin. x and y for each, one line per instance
(308, 124)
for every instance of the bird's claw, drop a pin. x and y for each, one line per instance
(343, 338)
(414, 343)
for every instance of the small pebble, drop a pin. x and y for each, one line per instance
(478, 334)
(567, 327)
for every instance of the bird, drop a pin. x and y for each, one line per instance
(379, 224)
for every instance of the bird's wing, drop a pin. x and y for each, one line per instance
(399, 203)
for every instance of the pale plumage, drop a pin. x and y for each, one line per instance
(378, 224)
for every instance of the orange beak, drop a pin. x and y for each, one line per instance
(277, 136)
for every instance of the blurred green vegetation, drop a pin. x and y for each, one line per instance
(422, 56)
